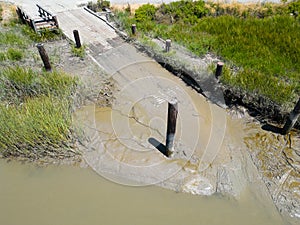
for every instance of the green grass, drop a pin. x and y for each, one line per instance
(14, 54)
(35, 113)
(13, 38)
(38, 128)
(35, 106)
(43, 35)
(78, 52)
(264, 43)
(19, 84)
(12, 45)
(267, 51)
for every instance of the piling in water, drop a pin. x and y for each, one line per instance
(219, 69)
(171, 126)
(77, 38)
(168, 45)
(292, 119)
(44, 57)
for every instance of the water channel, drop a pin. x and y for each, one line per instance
(33, 195)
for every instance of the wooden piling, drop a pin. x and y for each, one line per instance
(33, 26)
(168, 45)
(44, 57)
(77, 38)
(219, 69)
(292, 119)
(20, 15)
(133, 29)
(171, 126)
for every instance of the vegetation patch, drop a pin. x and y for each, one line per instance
(35, 106)
(42, 35)
(78, 52)
(39, 127)
(100, 5)
(261, 42)
(35, 110)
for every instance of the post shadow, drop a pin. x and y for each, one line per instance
(272, 128)
(159, 146)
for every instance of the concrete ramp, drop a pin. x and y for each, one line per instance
(92, 30)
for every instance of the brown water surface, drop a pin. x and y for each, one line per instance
(70, 195)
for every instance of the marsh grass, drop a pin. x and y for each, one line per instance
(11, 37)
(14, 54)
(19, 84)
(35, 113)
(35, 106)
(12, 45)
(43, 35)
(263, 43)
(37, 128)
(78, 52)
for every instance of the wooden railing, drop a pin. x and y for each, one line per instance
(46, 21)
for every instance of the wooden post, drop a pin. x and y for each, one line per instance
(219, 69)
(32, 24)
(292, 119)
(77, 39)
(171, 126)
(44, 57)
(55, 21)
(168, 45)
(133, 29)
(19, 12)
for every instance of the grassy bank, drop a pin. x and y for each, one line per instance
(35, 113)
(259, 43)
(35, 106)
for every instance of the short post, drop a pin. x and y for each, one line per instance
(292, 119)
(171, 126)
(133, 29)
(44, 57)
(32, 24)
(77, 38)
(219, 69)
(19, 12)
(55, 21)
(168, 45)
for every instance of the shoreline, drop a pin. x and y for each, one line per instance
(260, 107)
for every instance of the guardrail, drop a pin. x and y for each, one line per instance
(46, 21)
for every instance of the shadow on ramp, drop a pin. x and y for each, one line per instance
(159, 146)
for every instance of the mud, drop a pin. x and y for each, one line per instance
(278, 159)
(123, 141)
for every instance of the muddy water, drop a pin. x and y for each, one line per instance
(278, 159)
(72, 195)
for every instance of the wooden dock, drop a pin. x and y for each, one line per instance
(46, 19)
